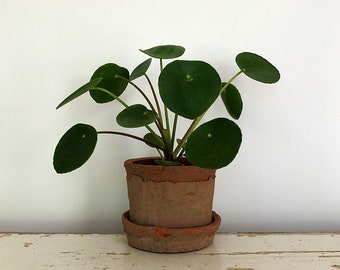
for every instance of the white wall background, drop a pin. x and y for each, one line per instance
(286, 176)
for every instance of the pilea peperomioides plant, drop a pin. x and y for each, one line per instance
(187, 89)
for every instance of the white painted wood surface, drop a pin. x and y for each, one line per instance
(230, 251)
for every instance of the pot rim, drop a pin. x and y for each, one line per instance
(151, 172)
(147, 159)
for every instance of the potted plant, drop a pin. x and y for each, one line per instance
(170, 195)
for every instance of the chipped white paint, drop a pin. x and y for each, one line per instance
(229, 252)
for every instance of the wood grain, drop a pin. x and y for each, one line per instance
(230, 251)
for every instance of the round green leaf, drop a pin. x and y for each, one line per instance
(74, 148)
(140, 70)
(110, 81)
(165, 51)
(214, 144)
(232, 101)
(153, 140)
(257, 68)
(136, 116)
(189, 88)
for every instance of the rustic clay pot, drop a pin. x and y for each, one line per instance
(169, 198)
(169, 240)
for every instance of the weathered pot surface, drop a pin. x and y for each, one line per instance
(170, 240)
(170, 207)
(169, 196)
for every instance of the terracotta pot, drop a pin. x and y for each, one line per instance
(170, 197)
(169, 240)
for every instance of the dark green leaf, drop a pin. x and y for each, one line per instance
(189, 88)
(140, 70)
(153, 140)
(232, 101)
(74, 148)
(85, 88)
(110, 74)
(167, 162)
(257, 68)
(214, 144)
(165, 51)
(136, 116)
